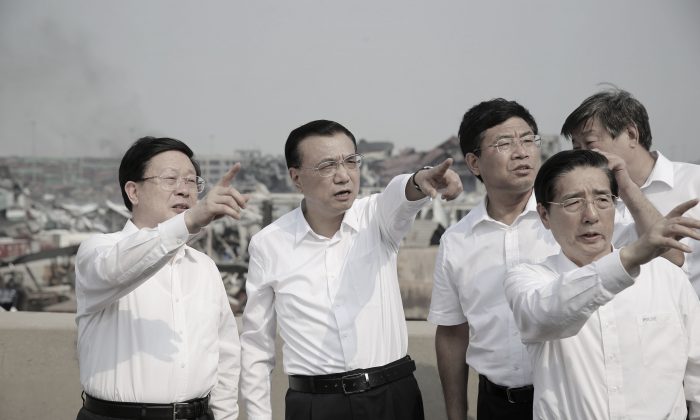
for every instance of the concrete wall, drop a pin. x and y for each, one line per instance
(39, 368)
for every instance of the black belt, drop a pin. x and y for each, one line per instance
(354, 381)
(520, 395)
(185, 410)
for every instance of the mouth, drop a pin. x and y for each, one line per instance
(522, 168)
(591, 237)
(180, 207)
(343, 195)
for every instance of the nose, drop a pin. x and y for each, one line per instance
(590, 212)
(519, 148)
(341, 174)
(181, 188)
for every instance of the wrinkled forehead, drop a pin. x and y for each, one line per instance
(315, 149)
(170, 161)
(512, 127)
(577, 181)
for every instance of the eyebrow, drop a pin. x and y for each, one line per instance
(580, 194)
(510, 135)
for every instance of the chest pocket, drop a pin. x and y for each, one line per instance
(663, 342)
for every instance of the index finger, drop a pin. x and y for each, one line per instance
(442, 168)
(225, 180)
(682, 208)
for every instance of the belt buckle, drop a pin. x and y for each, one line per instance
(175, 409)
(364, 388)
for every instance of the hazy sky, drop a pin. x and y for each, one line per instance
(85, 77)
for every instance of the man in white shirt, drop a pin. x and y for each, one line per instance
(325, 274)
(614, 121)
(613, 334)
(156, 335)
(474, 322)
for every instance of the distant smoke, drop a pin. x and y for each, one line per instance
(56, 96)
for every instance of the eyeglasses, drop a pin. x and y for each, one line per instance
(505, 145)
(171, 182)
(576, 204)
(330, 167)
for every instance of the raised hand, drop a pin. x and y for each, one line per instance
(665, 234)
(221, 200)
(439, 180)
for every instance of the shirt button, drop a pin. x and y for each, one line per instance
(614, 388)
(177, 300)
(182, 365)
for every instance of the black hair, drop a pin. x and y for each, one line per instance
(135, 160)
(615, 109)
(314, 128)
(485, 115)
(564, 162)
(488, 114)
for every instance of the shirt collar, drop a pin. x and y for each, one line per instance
(480, 215)
(661, 172)
(350, 219)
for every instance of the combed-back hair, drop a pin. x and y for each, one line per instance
(616, 109)
(324, 128)
(564, 162)
(135, 160)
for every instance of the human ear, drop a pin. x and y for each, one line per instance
(294, 175)
(544, 216)
(472, 162)
(131, 190)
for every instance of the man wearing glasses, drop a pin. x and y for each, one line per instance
(613, 121)
(156, 335)
(475, 326)
(325, 274)
(612, 333)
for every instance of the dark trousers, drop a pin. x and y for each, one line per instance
(492, 407)
(399, 400)
(84, 414)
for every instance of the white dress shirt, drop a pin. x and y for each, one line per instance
(336, 300)
(669, 184)
(471, 264)
(607, 346)
(154, 322)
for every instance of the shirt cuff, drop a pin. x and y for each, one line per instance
(613, 275)
(173, 232)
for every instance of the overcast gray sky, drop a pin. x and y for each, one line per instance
(84, 77)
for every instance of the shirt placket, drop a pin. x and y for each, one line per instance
(179, 323)
(515, 348)
(612, 362)
(339, 305)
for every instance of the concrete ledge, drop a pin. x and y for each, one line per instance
(39, 368)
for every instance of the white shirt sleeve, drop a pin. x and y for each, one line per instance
(257, 340)
(107, 270)
(224, 395)
(396, 213)
(445, 306)
(548, 305)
